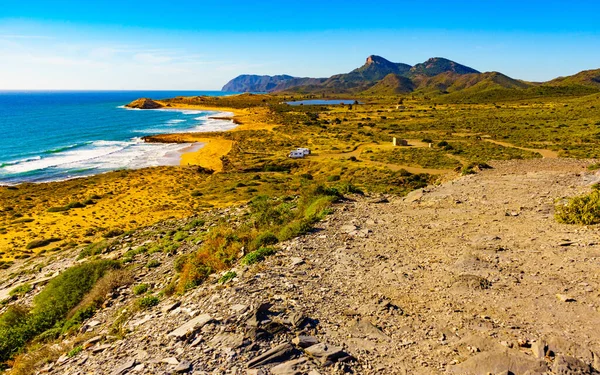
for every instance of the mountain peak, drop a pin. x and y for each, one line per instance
(374, 59)
(438, 65)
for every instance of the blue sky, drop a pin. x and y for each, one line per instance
(202, 44)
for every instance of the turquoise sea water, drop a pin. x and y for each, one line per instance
(47, 136)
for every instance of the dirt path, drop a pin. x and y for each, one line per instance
(549, 154)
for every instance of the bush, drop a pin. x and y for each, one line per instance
(41, 243)
(264, 239)
(21, 290)
(584, 210)
(94, 249)
(227, 276)
(148, 302)
(140, 289)
(113, 233)
(333, 178)
(76, 350)
(50, 307)
(295, 229)
(258, 255)
(152, 263)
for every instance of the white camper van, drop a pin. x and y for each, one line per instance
(296, 154)
(306, 151)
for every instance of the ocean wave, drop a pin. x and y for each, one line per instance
(65, 148)
(14, 162)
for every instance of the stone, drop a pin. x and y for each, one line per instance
(538, 349)
(293, 367)
(170, 361)
(228, 340)
(91, 342)
(414, 196)
(277, 354)
(325, 353)
(303, 341)
(124, 367)
(364, 328)
(564, 298)
(171, 306)
(239, 308)
(498, 361)
(567, 365)
(100, 348)
(191, 326)
(183, 366)
(296, 261)
(348, 228)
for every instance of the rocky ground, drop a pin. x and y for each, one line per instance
(470, 277)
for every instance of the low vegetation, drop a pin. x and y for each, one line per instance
(583, 210)
(51, 307)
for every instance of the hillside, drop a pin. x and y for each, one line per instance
(392, 84)
(380, 287)
(587, 78)
(450, 82)
(255, 83)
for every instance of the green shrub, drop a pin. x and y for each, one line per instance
(50, 307)
(152, 263)
(333, 178)
(264, 239)
(21, 290)
(194, 224)
(140, 289)
(76, 350)
(147, 302)
(41, 243)
(227, 276)
(584, 210)
(593, 167)
(180, 236)
(180, 262)
(295, 229)
(319, 207)
(94, 249)
(113, 233)
(258, 255)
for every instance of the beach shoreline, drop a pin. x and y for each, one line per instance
(210, 150)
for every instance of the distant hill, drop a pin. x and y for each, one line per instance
(439, 65)
(589, 78)
(450, 82)
(255, 83)
(437, 76)
(392, 84)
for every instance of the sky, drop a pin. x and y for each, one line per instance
(200, 45)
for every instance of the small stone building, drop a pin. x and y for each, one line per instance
(399, 142)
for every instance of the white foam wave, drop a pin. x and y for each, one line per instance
(104, 156)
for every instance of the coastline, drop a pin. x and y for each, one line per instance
(208, 151)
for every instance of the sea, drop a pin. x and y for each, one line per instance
(58, 135)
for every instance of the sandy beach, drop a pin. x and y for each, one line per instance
(207, 151)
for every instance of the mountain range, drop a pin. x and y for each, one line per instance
(437, 75)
